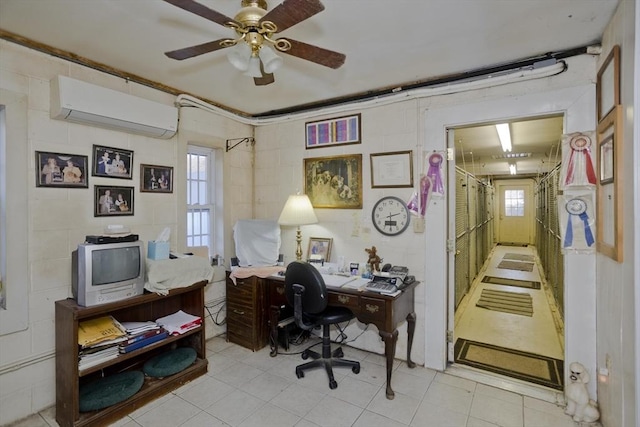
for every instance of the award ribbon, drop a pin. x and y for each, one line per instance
(435, 164)
(577, 207)
(580, 144)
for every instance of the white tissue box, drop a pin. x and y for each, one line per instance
(157, 250)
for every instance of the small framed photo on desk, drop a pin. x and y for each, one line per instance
(319, 248)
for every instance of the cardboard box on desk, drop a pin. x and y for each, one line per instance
(157, 250)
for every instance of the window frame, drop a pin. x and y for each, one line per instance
(211, 205)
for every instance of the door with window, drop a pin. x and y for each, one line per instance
(515, 212)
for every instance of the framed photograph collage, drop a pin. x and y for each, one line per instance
(65, 170)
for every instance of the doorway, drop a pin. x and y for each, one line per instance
(504, 322)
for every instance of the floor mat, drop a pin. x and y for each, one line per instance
(516, 265)
(525, 366)
(519, 257)
(511, 282)
(507, 302)
(522, 245)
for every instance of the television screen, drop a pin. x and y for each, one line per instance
(115, 265)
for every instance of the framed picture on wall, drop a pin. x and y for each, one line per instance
(608, 84)
(334, 182)
(61, 170)
(330, 132)
(156, 179)
(609, 192)
(392, 170)
(112, 162)
(113, 201)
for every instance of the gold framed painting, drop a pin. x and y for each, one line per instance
(334, 182)
(609, 227)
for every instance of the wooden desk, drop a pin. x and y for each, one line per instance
(385, 312)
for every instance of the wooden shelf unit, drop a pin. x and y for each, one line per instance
(150, 306)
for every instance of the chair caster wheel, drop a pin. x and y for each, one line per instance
(355, 369)
(299, 373)
(305, 355)
(333, 385)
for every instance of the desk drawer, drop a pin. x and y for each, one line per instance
(372, 308)
(345, 300)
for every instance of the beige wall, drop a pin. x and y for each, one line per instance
(57, 219)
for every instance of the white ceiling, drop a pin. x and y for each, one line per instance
(387, 43)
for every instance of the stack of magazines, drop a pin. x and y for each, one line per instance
(141, 334)
(98, 340)
(179, 322)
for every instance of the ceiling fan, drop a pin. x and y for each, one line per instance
(253, 48)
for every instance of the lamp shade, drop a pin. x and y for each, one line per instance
(270, 60)
(239, 56)
(297, 211)
(254, 67)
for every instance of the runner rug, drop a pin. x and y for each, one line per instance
(519, 257)
(516, 265)
(524, 366)
(530, 284)
(507, 302)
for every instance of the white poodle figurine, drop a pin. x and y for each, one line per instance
(578, 403)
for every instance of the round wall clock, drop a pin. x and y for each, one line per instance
(390, 216)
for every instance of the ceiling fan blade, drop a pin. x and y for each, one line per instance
(316, 54)
(266, 79)
(202, 10)
(190, 52)
(290, 12)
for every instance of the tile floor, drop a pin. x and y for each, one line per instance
(245, 389)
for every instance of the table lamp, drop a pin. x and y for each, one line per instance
(298, 211)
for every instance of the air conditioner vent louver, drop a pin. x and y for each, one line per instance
(80, 102)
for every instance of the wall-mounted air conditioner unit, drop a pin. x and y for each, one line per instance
(81, 102)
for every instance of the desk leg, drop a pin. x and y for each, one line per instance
(390, 340)
(274, 316)
(411, 328)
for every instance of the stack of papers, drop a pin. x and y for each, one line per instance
(98, 340)
(134, 328)
(179, 322)
(100, 331)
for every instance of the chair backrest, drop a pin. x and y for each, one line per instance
(314, 298)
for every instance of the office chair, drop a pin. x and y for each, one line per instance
(306, 291)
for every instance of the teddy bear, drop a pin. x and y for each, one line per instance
(579, 405)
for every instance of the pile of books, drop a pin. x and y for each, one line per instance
(141, 334)
(98, 340)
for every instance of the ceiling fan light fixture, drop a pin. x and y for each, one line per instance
(254, 67)
(270, 60)
(505, 136)
(239, 56)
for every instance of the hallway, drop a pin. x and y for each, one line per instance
(540, 333)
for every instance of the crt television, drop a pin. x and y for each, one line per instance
(108, 272)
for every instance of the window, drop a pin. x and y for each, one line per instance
(514, 203)
(200, 197)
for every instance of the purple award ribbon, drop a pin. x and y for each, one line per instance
(435, 164)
